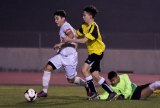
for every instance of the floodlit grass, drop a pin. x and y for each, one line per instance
(66, 97)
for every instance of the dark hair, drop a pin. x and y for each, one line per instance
(60, 13)
(112, 74)
(92, 10)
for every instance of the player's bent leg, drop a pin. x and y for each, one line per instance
(45, 79)
(71, 74)
(80, 82)
(96, 76)
(101, 81)
(77, 80)
(89, 80)
(146, 92)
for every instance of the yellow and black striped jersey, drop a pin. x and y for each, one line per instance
(95, 43)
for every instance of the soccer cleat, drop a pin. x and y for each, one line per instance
(94, 96)
(88, 90)
(112, 96)
(42, 94)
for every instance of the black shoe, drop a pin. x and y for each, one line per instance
(112, 96)
(94, 96)
(42, 94)
(88, 90)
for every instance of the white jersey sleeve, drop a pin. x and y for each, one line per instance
(64, 29)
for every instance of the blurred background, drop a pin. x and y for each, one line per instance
(130, 30)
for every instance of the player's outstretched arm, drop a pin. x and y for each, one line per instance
(57, 46)
(81, 40)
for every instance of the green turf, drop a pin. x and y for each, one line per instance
(66, 97)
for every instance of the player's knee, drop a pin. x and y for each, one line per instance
(96, 76)
(48, 68)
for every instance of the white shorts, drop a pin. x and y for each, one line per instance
(68, 58)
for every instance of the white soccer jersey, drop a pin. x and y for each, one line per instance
(62, 33)
(68, 56)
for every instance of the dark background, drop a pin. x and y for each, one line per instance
(124, 24)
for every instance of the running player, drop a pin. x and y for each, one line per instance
(89, 31)
(122, 85)
(66, 56)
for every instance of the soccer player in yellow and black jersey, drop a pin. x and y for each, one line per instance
(90, 34)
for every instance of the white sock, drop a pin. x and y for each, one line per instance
(79, 81)
(101, 81)
(89, 78)
(155, 85)
(45, 80)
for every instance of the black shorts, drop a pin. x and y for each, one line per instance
(94, 61)
(137, 93)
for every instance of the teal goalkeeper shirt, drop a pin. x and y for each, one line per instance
(125, 87)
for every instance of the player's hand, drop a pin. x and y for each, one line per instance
(57, 46)
(67, 39)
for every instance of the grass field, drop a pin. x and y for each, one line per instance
(66, 97)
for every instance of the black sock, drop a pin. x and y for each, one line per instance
(106, 87)
(91, 86)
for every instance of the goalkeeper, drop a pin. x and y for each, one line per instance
(122, 85)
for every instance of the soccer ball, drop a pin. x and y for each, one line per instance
(30, 95)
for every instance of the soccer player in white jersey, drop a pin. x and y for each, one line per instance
(66, 56)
